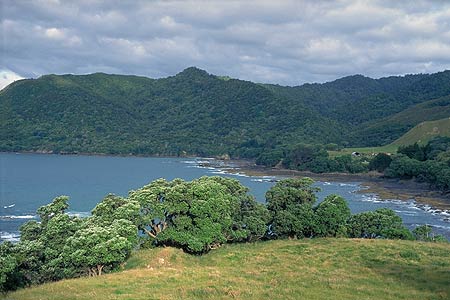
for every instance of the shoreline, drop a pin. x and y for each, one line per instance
(103, 154)
(385, 189)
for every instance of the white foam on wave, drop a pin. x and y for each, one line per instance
(257, 180)
(241, 175)
(9, 236)
(445, 213)
(17, 217)
(80, 214)
(263, 179)
(217, 171)
(441, 226)
(326, 183)
(371, 198)
(410, 205)
(189, 162)
(406, 212)
(207, 159)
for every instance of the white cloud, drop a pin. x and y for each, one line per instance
(7, 77)
(54, 33)
(286, 42)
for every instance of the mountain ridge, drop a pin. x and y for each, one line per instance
(197, 113)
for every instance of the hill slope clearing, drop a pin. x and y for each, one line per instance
(424, 132)
(421, 134)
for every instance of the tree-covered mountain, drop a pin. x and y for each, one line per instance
(201, 114)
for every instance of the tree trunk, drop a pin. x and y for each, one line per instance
(214, 246)
(99, 269)
(149, 233)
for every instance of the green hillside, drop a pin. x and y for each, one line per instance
(420, 134)
(196, 113)
(390, 128)
(285, 269)
(192, 112)
(424, 132)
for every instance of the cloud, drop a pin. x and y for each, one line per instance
(7, 77)
(285, 42)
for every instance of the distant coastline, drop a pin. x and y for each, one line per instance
(385, 188)
(50, 152)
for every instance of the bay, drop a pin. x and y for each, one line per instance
(28, 181)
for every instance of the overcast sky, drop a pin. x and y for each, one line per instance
(274, 41)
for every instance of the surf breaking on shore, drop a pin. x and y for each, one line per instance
(408, 208)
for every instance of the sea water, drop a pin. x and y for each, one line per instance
(28, 181)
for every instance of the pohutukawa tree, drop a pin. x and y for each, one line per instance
(290, 202)
(331, 217)
(199, 215)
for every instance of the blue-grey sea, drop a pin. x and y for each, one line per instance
(28, 181)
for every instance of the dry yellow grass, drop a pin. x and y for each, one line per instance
(300, 269)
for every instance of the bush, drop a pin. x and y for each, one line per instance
(331, 217)
(290, 205)
(381, 223)
(380, 162)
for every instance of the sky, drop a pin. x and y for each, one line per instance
(282, 42)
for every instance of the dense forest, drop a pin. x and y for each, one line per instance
(195, 113)
(428, 163)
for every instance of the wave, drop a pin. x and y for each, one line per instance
(440, 226)
(9, 236)
(406, 212)
(189, 162)
(433, 210)
(80, 214)
(9, 206)
(240, 174)
(17, 217)
(371, 198)
(262, 180)
(410, 205)
(217, 171)
(349, 184)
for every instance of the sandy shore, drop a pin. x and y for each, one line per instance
(384, 188)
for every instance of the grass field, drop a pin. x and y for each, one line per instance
(296, 269)
(391, 148)
(422, 134)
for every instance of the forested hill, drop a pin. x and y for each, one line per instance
(201, 114)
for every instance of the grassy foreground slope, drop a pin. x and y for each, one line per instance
(285, 269)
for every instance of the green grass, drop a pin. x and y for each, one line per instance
(424, 132)
(296, 269)
(391, 148)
